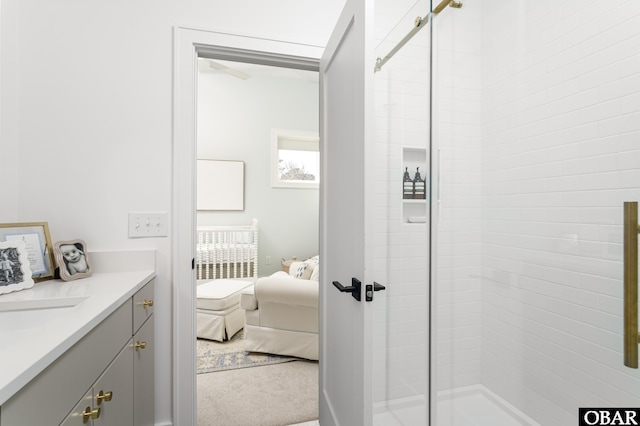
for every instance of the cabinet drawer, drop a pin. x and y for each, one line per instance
(113, 392)
(77, 416)
(142, 306)
(47, 398)
(143, 373)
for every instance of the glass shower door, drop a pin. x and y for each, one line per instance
(401, 317)
(536, 147)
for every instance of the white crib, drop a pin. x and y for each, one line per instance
(227, 251)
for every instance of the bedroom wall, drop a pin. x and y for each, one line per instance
(235, 118)
(87, 92)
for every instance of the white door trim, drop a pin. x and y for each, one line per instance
(188, 44)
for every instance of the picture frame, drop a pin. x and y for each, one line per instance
(15, 274)
(72, 260)
(220, 185)
(38, 246)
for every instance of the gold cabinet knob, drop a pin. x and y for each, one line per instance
(104, 396)
(140, 345)
(90, 414)
(146, 303)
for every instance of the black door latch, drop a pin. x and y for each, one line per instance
(370, 289)
(355, 288)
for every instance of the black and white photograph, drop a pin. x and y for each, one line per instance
(37, 241)
(15, 273)
(10, 266)
(72, 260)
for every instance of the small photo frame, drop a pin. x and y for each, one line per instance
(38, 246)
(72, 259)
(15, 273)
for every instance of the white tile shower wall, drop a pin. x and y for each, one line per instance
(402, 311)
(560, 154)
(457, 141)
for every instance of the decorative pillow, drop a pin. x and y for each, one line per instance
(300, 270)
(313, 260)
(315, 275)
(312, 263)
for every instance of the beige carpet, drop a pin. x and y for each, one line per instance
(270, 395)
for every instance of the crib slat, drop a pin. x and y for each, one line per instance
(227, 251)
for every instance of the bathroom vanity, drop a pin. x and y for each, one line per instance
(79, 352)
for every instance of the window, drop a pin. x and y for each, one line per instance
(295, 159)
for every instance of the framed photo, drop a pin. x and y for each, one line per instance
(38, 245)
(220, 185)
(15, 274)
(72, 259)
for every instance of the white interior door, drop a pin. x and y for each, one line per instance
(345, 227)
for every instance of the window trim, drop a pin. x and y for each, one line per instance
(278, 135)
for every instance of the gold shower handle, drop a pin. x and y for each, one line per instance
(630, 264)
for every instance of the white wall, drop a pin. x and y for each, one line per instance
(543, 178)
(457, 185)
(561, 153)
(86, 97)
(8, 114)
(235, 118)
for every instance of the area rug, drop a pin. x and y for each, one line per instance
(229, 355)
(270, 395)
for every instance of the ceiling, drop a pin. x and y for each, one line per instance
(244, 70)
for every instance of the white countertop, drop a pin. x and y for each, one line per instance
(26, 350)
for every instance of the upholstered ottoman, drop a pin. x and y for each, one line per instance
(218, 313)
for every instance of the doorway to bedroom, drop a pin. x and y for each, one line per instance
(255, 115)
(260, 124)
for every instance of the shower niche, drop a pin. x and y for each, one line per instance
(414, 185)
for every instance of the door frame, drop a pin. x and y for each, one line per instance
(189, 44)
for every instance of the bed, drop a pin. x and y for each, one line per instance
(227, 251)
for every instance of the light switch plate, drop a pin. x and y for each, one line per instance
(148, 224)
